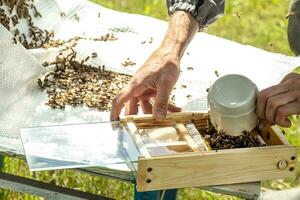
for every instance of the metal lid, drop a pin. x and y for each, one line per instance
(233, 95)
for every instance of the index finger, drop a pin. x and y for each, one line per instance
(117, 104)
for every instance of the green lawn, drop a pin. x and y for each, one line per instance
(260, 23)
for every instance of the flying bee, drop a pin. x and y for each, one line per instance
(217, 73)
(15, 41)
(77, 17)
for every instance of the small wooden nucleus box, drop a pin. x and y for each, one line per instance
(195, 164)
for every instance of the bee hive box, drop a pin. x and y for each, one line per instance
(196, 164)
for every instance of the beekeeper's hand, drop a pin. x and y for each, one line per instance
(276, 103)
(157, 77)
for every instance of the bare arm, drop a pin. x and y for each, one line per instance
(182, 29)
(157, 77)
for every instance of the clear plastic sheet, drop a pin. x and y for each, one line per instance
(77, 146)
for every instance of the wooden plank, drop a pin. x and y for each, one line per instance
(201, 143)
(175, 116)
(178, 146)
(183, 134)
(269, 136)
(215, 168)
(46, 190)
(152, 125)
(139, 141)
(276, 130)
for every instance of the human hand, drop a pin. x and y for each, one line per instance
(276, 103)
(155, 79)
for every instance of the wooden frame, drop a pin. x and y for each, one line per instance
(205, 168)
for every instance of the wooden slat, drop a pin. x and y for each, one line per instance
(178, 146)
(276, 130)
(183, 133)
(201, 143)
(270, 137)
(152, 125)
(139, 141)
(215, 168)
(184, 116)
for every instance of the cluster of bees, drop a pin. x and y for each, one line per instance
(219, 140)
(12, 12)
(59, 43)
(72, 82)
(76, 83)
(127, 63)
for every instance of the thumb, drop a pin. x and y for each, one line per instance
(162, 101)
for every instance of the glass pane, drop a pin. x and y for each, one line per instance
(77, 146)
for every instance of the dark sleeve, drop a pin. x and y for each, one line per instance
(204, 11)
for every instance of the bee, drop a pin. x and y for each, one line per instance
(183, 86)
(20, 39)
(173, 98)
(151, 40)
(237, 15)
(40, 83)
(94, 55)
(36, 13)
(15, 41)
(17, 32)
(77, 17)
(15, 20)
(86, 59)
(217, 73)
(289, 14)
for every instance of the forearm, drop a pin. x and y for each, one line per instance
(182, 29)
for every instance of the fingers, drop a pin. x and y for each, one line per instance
(263, 124)
(291, 77)
(131, 107)
(146, 107)
(161, 102)
(275, 102)
(173, 108)
(119, 101)
(284, 111)
(263, 97)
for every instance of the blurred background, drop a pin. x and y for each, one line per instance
(258, 23)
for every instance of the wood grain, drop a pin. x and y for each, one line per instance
(178, 146)
(215, 168)
(180, 116)
(139, 141)
(183, 134)
(270, 137)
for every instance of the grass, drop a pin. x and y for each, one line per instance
(256, 22)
